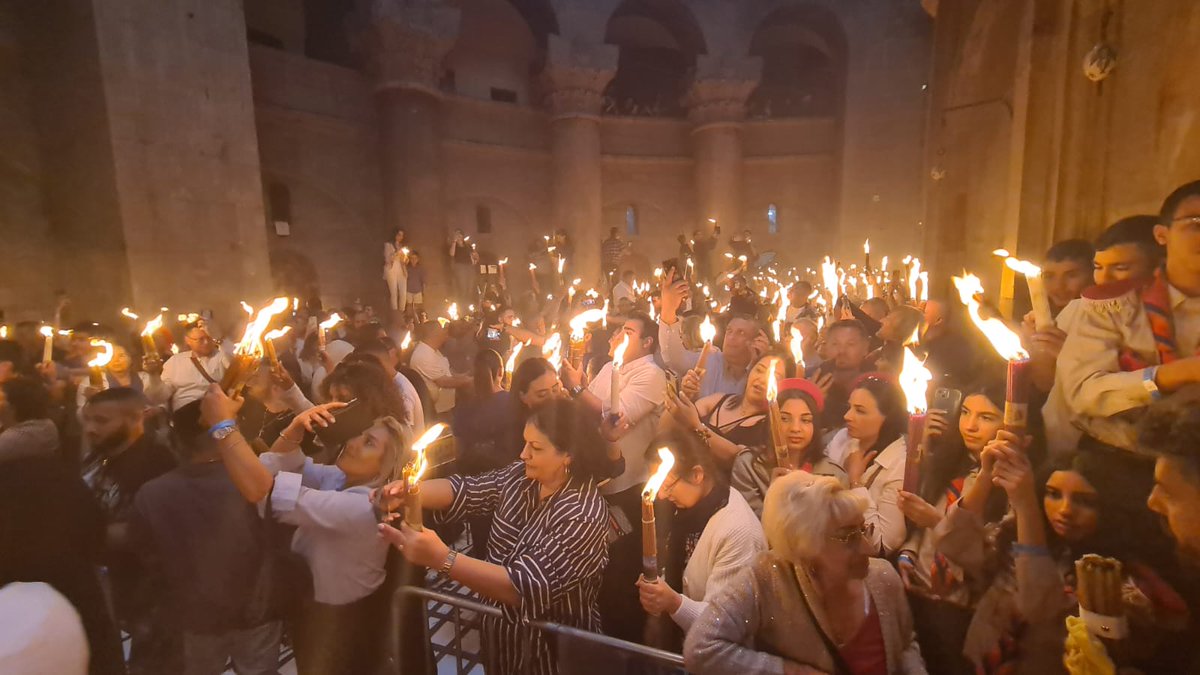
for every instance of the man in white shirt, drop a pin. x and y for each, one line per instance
(624, 289)
(185, 376)
(433, 367)
(643, 387)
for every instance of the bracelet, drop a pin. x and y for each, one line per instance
(704, 433)
(444, 570)
(1029, 549)
(284, 436)
(224, 424)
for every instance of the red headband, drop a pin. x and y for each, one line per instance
(803, 385)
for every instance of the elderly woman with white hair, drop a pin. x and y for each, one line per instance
(816, 603)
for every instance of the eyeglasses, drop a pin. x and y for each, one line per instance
(864, 533)
(1191, 220)
(203, 338)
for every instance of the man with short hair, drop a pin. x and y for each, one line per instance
(1067, 271)
(1170, 430)
(800, 305)
(846, 349)
(26, 429)
(612, 250)
(1127, 250)
(433, 366)
(727, 367)
(185, 376)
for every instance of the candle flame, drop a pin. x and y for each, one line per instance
(504, 261)
(884, 265)
(247, 308)
(772, 385)
(104, 357)
(924, 276)
(1023, 267)
(1006, 343)
(420, 461)
(295, 305)
(580, 322)
(452, 311)
(532, 267)
(867, 246)
(913, 277)
(914, 381)
(406, 341)
(561, 262)
(552, 350)
(512, 358)
(708, 331)
(650, 493)
(153, 326)
(776, 330)
(619, 353)
(46, 331)
(125, 312)
(251, 342)
(797, 347)
(333, 320)
(657, 272)
(829, 277)
(1001, 253)
(277, 333)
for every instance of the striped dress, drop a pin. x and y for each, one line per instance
(555, 553)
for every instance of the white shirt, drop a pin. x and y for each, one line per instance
(731, 540)
(432, 366)
(643, 388)
(40, 631)
(884, 478)
(183, 383)
(414, 416)
(622, 290)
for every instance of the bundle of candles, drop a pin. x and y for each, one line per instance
(914, 382)
(410, 475)
(249, 350)
(775, 420)
(97, 365)
(1008, 345)
(1098, 585)
(650, 569)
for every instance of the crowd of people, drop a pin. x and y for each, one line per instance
(798, 531)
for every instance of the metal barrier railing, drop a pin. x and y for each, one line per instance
(595, 645)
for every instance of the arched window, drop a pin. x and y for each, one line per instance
(659, 41)
(772, 219)
(631, 221)
(803, 48)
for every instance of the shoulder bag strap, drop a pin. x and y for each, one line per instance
(840, 667)
(203, 372)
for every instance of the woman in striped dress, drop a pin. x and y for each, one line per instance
(547, 550)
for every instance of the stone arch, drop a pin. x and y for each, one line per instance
(501, 44)
(803, 47)
(659, 41)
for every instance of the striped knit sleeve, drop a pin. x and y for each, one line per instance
(569, 552)
(479, 495)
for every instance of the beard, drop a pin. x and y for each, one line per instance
(110, 442)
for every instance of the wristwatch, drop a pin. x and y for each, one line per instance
(444, 570)
(221, 430)
(576, 391)
(1148, 382)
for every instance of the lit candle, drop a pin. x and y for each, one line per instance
(48, 345)
(914, 275)
(778, 440)
(797, 347)
(97, 365)
(406, 341)
(128, 314)
(249, 350)
(452, 311)
(411, 476)
(333, 320)
(707, 333)
(579, 324)
(152, 327)
(269, 343)
(511, 365)
(614, 406)
(552, 350)
(1008, 345)
(1043, 318)
(914, 381)
(649, 533)
(867, 255)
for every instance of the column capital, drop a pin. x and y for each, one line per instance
(575, 77)
(720, 90)
(406, 41)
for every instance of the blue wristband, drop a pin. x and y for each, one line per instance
(226, 424)
(1028, 549)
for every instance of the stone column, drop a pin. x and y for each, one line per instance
(575, 91)
(717, 107)
(407, 45)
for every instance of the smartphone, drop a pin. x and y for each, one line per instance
(947, 400)
(493, 334)
(351, 421)
(668, 265)
(588, 302)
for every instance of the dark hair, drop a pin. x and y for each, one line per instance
(649, 328)
(890, 400)
(1137, 230)
(427, 329)
(573, 431)
(816, 447)
(1115, 523)
(690, 452)
(529, 370)
(118, 395)
(488, 364)
(789, 370)
(949, 458)
(189, 326)
(188, 434)
(1166, 216)
(849, 324)
(11, 352)
(371, 385)
(1171, 426)
(1073, 250)
(27, 397)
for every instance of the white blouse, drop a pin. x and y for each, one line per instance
(882, 482)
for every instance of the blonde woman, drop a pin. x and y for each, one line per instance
(339, 628)
(817, 602)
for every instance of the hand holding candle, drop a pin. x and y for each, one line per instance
(707, 333)
(269, 343)
(152, 327)
(614, 405)
(97, 365)
(412, 473)
(48, 345)
(1043, 318)
(649, 535)
(249, 349)
(333, 320)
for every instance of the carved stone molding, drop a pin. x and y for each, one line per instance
(406, 42)
(720, 90)
(575, 77)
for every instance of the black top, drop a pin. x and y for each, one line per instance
(208, 545)
(733, 429)
(484, 429)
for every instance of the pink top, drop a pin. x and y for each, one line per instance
(866, 653)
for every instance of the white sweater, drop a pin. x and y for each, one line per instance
(730, 541)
